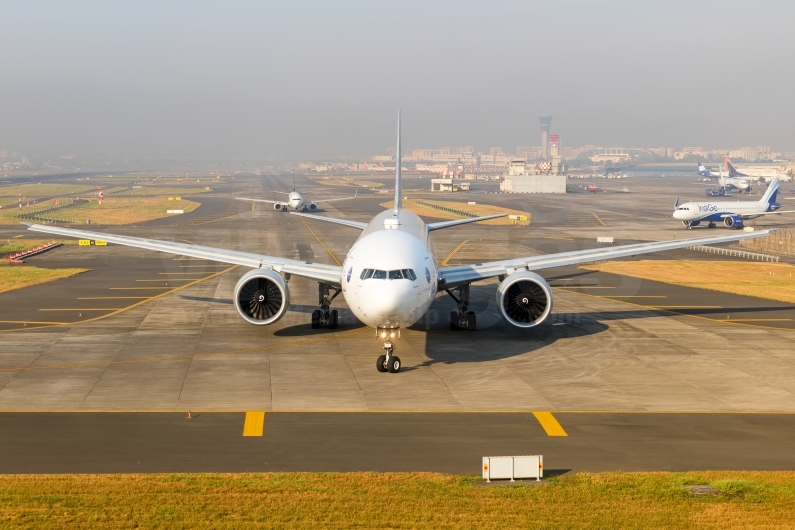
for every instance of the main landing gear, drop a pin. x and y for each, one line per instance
(325, 316)
(711, 225)
(463, 318)
(389, 362)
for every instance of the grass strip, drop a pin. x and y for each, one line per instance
(116, 210)
(417, 206)
(20, 276)
(773, 281)
(397, 500)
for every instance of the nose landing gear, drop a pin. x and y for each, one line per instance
(325, 316)
(389, 362)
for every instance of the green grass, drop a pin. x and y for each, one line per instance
(11, 246)
(395, 500)
(20, 276)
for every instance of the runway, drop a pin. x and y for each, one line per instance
(640, 375)
(437, 442)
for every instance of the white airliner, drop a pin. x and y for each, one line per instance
(730, 213)
(389, 277)
(725, 181)
(296, 201)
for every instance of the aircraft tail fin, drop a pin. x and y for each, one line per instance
(397, 170)
(293, 180)
(730, 169)
(772, 192)
(676, 204)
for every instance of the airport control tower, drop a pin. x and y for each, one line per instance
(546, 122)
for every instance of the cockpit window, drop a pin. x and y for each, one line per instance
(398, 274)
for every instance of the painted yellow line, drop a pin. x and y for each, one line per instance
(180, 272)
(17, 237)
(135, 288)
(168, 280)
(549, 423)
(633, 296)
(252, 206)
(207, 265)
(688, 306)
(319, 241)
(730, 320)
(222, 218)
(456, 249)
(84, 309)
(113, 298)
(254, 424)
(32, 322)
(597, 218)
(587, 287)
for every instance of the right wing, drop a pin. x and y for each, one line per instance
(451, 277)
(257, 200)
(331, 274)
(445, 224)
(346, 222)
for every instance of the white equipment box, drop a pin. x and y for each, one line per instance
(604, 239)
(513, 467)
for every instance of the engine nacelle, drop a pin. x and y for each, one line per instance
(261, 296)
(524, 299)
(277, 206)
(733, 221)
(312, 206)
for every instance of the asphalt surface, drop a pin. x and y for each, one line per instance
(438, 442)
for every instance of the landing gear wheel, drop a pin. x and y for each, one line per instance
(316, 314)
(454, 320)
(380, 364)
(471, 321)
(711, 225)
(333, 319)
(284, 208)
(394, 364)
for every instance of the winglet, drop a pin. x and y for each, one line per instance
(27, 224)
(397, 171)
(676, 204)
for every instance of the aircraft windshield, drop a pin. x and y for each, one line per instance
(398, 274)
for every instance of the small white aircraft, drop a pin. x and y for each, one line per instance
(296, 201)
(730, 213)
(389, 277)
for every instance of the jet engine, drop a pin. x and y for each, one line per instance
(524, 299)
(261, 296)
(277, 206)
(312, 206)
(733, 221)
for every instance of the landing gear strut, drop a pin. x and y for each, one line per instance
(463, 318)
(389, 362)
(325, 316)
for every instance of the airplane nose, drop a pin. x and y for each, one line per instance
(385, 297)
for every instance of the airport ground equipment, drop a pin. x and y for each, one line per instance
(389, 277)
(513, 467)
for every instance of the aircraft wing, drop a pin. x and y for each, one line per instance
(338, 199)
(346, 222)
(445, 224)
(331, 274)
(450, 277)
(751, 216)
(257, 200)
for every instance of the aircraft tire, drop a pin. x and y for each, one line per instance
(454, 320)
(711, 225)
(316, 319)
(471, 321)
(380, 364)
(394, 364)
(333, 319)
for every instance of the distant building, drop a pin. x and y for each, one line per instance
(449, 185)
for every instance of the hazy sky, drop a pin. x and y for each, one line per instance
(307, 79)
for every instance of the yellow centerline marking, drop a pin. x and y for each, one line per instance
(754, 320)
(688, 306)
(549, 423)
(319, 241)
(113, 298)
(456, 249)
(587, 287)
(254, 424)
(634, 296)
(83, 309)
(180, 272)
(31, 322)
(168, 280)
(597, 218)
(136, 288)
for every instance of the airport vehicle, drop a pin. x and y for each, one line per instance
(592, 189)
(730, 182)
(731, 214)
(389, 278)
(296, 201)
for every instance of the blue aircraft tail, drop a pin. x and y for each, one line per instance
(771, 194)
(731, 170)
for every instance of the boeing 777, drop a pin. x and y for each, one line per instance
(731, 213)
(389, 277)
(296, 201)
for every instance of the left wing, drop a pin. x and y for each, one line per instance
(340, 199)
(753, 215)
(445, 224)
(331, 274)
(450, 277)
(346, 222)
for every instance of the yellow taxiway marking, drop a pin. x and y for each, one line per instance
(634, 296)
(136, 288)
(168, 280)
(252, 206)
(730, 320)
(32, 322)
(688, 306)
(83, 309)
(17, 237)
(254, 424)
(180, 272)
(561, 238)
(222, 218)
(456, 249)
(319, 241)
(113, 298)
(207, 265)
(597, 218)
(587, 287)
(549, 423)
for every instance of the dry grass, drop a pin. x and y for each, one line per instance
(45, 190)
(372, 500)
(476, 209)
(154, 191)
(124, 210)
(20, 276)
(748, 279)
(354, 183)
(10, 246)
